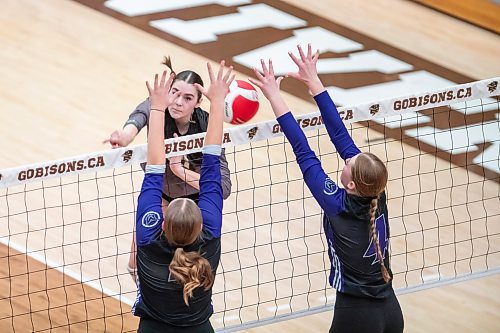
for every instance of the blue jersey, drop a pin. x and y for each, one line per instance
(159, 295)
(355, 268)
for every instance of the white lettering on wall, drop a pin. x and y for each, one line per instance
(136, 7)
(476, 106)
(249, 17)
(367, 61)
(460, 140)
(405, 119)
(408, 83)
(323, 39)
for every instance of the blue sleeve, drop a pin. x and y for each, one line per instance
(210, 201)
(328, 195)
(149, 213)
(335, 126)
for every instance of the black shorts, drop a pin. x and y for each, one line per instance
(356, 314)
(195, 197)
(154, 326)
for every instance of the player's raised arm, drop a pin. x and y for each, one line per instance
(216, 93)
(211, 199)
(307, 73)
(160, 100)
(320, 185)
(149, 212)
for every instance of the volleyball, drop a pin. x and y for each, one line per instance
(241, 104)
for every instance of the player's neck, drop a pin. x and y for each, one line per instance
(182, 125)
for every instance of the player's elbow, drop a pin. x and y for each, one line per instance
(226, 188)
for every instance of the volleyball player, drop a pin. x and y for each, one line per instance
(183, 117)
(355, 216)
(178, 250)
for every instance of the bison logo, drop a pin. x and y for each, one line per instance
(492, 86)
(252, 132)
(127, 155)
(374, 109)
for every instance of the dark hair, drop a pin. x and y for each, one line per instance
(370, 176)
(183, 223)
(186, 76)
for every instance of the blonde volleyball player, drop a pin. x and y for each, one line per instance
(183, 117)
(356, 218)
(178, 250)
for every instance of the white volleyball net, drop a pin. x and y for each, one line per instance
(66, 225)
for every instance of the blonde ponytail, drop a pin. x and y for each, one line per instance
(191, 270)
(374, 236)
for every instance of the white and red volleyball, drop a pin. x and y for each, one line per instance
(241, 102)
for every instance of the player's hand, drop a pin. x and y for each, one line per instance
(159, 94)
(175, 164)
(308, 72)
(219, 85)
(266, 81)
(116, 139)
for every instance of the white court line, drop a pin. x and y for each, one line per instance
(327, 299)
(432, 277)
(224, 319)
(78, 277)
(279, 308)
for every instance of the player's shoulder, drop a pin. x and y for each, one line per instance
(144, 105)
(201, 117)
(201, 114)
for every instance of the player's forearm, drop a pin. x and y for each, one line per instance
(335, 126)
(129, 132)
(215, 122)
(315, 86)
(192, 178)
(278, 105)
(156, 137)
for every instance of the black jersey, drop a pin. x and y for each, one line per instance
(355, 267)
(159, 295)
(173, 186)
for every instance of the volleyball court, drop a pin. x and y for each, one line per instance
(75, 216)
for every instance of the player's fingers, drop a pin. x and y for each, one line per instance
(149, 88)
(231, 79)
(316, 56)
(221, 70)
(201, 89)
(294, 75)
(271, 68)
(294, 58)
(302, 55)
(255, 82)
(258, 74)
(210, 72)
(163, 78)
(175, 96)
(171, 78)
(278, 80)
(156, 82)
(264, 67)
(228, 73)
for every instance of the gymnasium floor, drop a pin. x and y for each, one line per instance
(71, 75)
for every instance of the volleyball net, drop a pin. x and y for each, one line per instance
(66, 225)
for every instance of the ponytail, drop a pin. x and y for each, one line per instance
(191, 270)
(374, 236)
(168, 62)
(186, 76)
